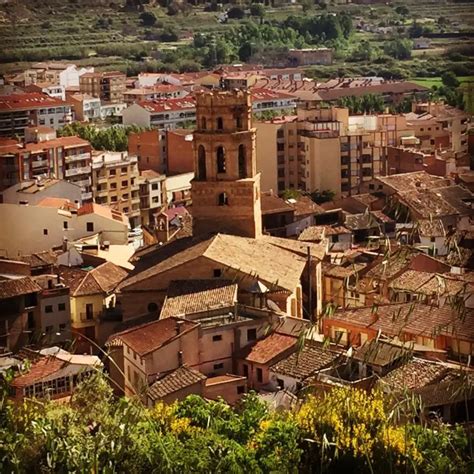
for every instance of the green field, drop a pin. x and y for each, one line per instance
(436, 81)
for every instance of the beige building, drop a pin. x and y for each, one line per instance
(115, 183)
(28, 229)
(324, 148)
(108, 86)
(152, 194)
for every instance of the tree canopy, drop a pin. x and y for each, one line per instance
(344, 430)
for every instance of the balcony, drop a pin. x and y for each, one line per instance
(102, 179)
(39, 164)
(77, 171)
(86, 196)
(83, 182)
(89, 317)
(79, 157)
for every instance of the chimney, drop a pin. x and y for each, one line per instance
(180, 358)
(179, 325)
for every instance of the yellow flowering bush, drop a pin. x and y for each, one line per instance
(352, 424)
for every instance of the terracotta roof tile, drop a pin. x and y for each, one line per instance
(151, 336)
(271, 348)
(17, 287)
(28, 101)
(40, 369)
(380, 353)
(173, 382)
(304, 363)
(193, 296)
(273, 204)
(412, 318)
(410, 280)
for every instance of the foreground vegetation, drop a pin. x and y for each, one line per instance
(343, 431)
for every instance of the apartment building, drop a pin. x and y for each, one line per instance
(108, 86)
(152, 194)
(115, 183)
(67, 158)
(324, 148)
(86, 107)
(150, 149)
(18, 111)
(161, 113)
(438, 125)
(157, 91)
(53, 90)
(27, 229)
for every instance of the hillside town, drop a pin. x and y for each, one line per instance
(242, 232)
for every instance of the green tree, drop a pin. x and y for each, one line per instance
(320, 197)
(449, 79)
(398, 48)
(402, 10)
(235, 13)
(147, 18)
(257, 10)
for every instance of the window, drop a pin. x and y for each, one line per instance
(218, 366)
(65, 225)
(154, 187)
(251, 334)
(259, 375)
(217, 337)
(155, 200)
(433, 239)
(112, 172)
(217, 272)
(124, 184)
(240, 389)
(48, 308)
(242, 162)
(220, 158)
(89, 311)
(31, 320)
(201, 163)
(113, 199)
(246, 370)
(123, 170)
(223, 200)
(45, 231)
(220, 123)
(62, 307)
(204, 123)
(62, 327)
(90, 226)
(113, 185)
(49, 329)
(281, 384)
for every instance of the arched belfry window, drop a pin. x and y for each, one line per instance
(242, 162)
(223, 199)
(220, 158)
(204, 123)
(201, 163)
(220, 123)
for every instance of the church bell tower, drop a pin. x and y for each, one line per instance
(226, 187)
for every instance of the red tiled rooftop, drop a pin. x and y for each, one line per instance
(265, 350)
(168, 105)
(44, 367)
(151, 336)
(27, 101)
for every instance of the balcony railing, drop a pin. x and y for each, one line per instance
(89, 317)
(79, 157)
(76, 171)
(86, 196)
(39, 164)
(83, 182)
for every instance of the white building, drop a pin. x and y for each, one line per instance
(32, 192)
(178, 188)
(170, 113)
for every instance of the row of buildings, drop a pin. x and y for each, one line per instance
(241, 288)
